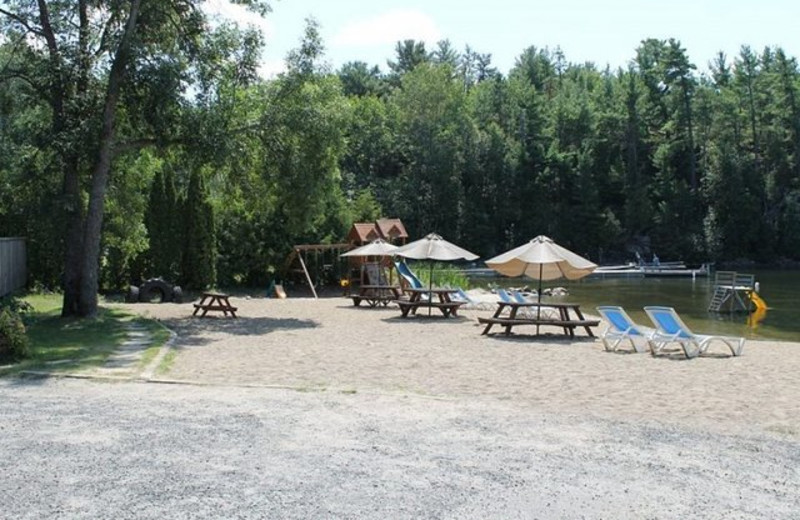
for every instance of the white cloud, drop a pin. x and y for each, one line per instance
(389, 27)
(271, 68)
(224, 10)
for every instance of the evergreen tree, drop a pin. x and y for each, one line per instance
(156, 222)
(200, 252)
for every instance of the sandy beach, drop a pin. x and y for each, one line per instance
(328, 344)
(305, 408)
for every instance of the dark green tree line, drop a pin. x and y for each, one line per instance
(656, 157)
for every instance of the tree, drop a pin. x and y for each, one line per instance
(410, 54)
(445, 54)
(199, 237)
(80, 56)
(358, 79)
(437, 133)
(164, 225)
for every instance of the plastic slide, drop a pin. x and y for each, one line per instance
(757, 301)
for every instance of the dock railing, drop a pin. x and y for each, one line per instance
(732, 290)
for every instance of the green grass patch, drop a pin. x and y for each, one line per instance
(166, 363)
(444, 274)
(159, 335)
(59, 344)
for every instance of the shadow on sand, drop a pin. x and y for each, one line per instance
(193, 331)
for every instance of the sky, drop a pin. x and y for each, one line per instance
(605, 32)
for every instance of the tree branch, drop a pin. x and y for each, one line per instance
(47, 30)
(22, 21)
(7, 74)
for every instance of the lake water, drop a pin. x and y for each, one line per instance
(780, 290)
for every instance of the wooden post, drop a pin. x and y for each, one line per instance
(308, 276)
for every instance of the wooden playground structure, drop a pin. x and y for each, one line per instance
(317, 263)
(320, 264)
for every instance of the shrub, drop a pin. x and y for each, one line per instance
(444, 275)
(13, 340)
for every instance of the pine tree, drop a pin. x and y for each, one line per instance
(156, 225)
(200, 255)
(172, 247)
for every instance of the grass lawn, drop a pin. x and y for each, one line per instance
(67, 344)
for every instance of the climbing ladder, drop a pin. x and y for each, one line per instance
(732, 292)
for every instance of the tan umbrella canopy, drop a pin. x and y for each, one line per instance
(542, 259)
(378, 247)
(434, 247)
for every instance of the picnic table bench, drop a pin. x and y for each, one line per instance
(420, 297)
(564, 320)
(410, 307)
(376, 295)
(214, 301)
(567, 325)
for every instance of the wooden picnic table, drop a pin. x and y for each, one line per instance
(376, 294)
(564, 321)
(214, 301)
(443, 303)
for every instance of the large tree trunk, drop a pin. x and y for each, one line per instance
(72, 207)
(73, 246)
(89, 266)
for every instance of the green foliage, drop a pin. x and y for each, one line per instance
(199, 238)
(74, 343)
(165, 226)
(365, 208)
(698, 167)
(444, 275)
(14, 344)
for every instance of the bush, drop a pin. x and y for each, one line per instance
(13, 340)
(444, 275)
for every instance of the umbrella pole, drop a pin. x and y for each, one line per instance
(430, 290)
(539, 300)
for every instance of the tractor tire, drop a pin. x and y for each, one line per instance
(155, 290)
(133, 294)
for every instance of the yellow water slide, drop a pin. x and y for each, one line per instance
(758, 301)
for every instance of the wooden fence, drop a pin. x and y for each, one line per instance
(13, 272)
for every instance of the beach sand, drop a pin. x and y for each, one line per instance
(330, 345)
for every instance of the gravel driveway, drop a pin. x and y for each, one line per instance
(89, 449)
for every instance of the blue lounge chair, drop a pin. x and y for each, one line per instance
(621, 328)
(458, 295)
(518, 297)
(671, 329)
(504, 296)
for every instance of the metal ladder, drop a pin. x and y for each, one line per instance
(721, 295)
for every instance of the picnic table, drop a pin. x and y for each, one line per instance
(443, 302)
(214, 301)
(564, 320)
(376, 295)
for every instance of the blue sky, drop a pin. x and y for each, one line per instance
(601, 31)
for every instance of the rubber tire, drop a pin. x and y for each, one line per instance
(154, 287)
(133, 294)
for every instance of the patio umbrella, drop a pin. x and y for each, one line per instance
(542, 259)
(434, 247)
(378, 247)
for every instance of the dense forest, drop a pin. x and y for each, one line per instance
(137, 139)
